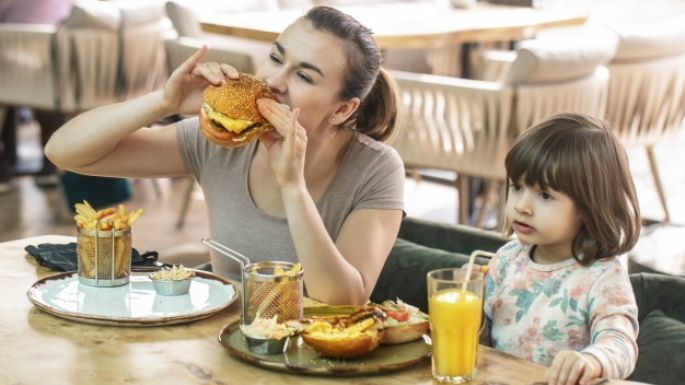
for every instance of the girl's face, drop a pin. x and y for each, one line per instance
(546, 218)
(305, 70)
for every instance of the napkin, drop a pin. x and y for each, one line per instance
(63, 256)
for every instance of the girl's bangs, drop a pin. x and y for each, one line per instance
(535, 164)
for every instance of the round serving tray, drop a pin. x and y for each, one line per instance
(133, 304)
(298, 357)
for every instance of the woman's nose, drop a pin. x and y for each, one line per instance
(277, 81)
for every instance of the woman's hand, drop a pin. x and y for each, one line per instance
(571, 368)
(183, 90)
(287, 146)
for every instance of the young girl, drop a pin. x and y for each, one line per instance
(557, 295)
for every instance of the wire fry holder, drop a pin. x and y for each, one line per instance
(266, 293)
(104, 256)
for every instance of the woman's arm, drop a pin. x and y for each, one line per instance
(344, 272)
(109, 140)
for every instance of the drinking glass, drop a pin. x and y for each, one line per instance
(455, 311)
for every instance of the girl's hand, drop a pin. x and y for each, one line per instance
(183, 90)
(571, 368)
(287, 146)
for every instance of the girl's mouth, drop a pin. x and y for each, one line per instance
(522, 228)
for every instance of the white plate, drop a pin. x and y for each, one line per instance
(133, 304)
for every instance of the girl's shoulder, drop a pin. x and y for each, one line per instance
(607, 266)
(513, 250)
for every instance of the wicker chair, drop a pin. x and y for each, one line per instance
(467, 126)
(94, 57)
(646, 101)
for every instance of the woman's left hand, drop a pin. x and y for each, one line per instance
(571, 368)
(287, 145)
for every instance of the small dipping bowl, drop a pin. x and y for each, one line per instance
(260, 345)
(171, 287)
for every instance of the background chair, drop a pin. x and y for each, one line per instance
(646, 95)
(243, 54)
(646, 101)
(467, 126)
(103, 52)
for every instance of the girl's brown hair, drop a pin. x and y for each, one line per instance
(580, 156)
(363, 78)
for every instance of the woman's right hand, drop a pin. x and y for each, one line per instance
(183, 90)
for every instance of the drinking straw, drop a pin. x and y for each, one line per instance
(469, 269)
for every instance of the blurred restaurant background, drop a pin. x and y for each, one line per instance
(472, 74)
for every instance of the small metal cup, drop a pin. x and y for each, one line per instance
(172, 287)
(104, 257)
(265, 345)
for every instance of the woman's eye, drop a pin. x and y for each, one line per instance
(304, 77)
(275, 59)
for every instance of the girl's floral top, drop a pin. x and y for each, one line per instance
(535, 311)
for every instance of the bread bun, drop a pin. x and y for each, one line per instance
(229, 116)
(404, 332)
(331, 344)
(404, 323)
(346, 336)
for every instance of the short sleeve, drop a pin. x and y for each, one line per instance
(193, 146)
(384, 187)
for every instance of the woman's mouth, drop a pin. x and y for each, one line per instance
(522, 228)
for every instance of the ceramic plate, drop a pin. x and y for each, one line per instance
(133, 304)
(299, 357)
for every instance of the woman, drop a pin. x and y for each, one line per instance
(321, 190)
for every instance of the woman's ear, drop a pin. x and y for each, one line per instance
(344, 110)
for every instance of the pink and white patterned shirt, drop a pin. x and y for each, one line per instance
(535, 310)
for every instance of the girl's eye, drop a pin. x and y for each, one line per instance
(515, 187)
(545, 195)
(304, 77)
(275, 59)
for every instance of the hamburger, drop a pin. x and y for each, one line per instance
(404, 322)
(229, 116)
(346, 336)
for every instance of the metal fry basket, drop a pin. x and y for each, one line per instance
(269, 288)
(104, 256)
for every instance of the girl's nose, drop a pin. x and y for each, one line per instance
(523, 204)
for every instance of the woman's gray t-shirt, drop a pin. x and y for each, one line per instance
(370, 176)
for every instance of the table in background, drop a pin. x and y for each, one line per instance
(40, 348)
(424, 24)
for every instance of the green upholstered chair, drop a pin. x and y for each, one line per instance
(661, 313)
(423, 246)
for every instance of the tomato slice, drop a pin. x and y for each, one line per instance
(400, 315)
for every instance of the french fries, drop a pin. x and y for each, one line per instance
(107, 219)
(112, 259)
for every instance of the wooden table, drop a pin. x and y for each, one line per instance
(422, 24)
(40, 348)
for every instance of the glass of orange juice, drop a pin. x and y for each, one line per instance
(455, 312)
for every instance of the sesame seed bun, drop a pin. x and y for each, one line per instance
(229, 117)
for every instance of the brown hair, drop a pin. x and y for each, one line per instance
(363, 78)
(581, 157)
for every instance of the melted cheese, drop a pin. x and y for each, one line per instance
(325, 331)
(230, 124)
